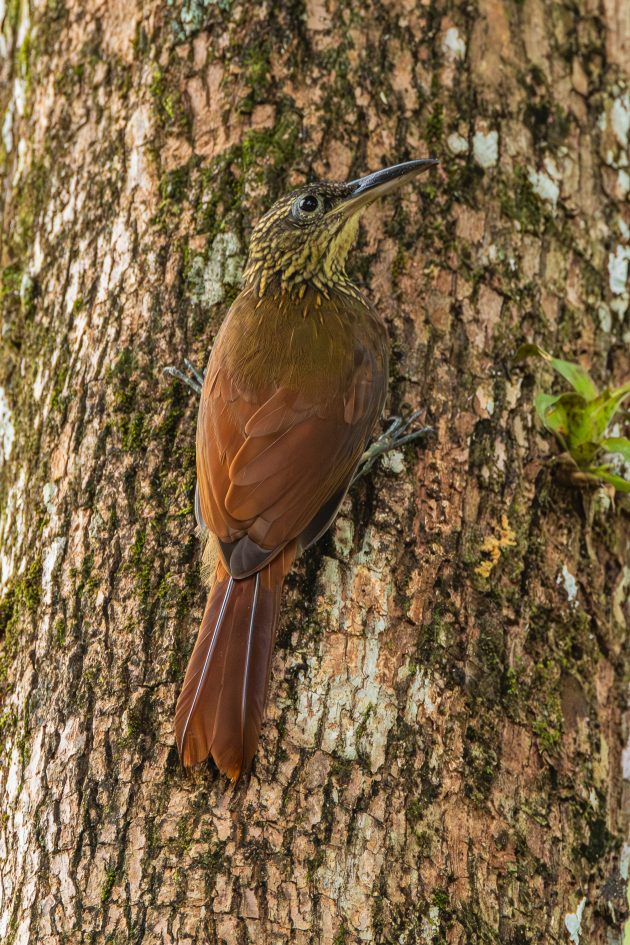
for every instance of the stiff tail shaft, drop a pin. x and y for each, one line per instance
(220, 708)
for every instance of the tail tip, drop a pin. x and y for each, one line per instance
(190, 759)
(234, 774)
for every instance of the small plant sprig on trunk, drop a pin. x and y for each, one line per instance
(579, 420)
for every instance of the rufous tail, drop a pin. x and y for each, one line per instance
(220, 708)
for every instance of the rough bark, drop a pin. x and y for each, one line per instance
(442, 756)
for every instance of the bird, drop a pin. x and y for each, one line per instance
(295, 383)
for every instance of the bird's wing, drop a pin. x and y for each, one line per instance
(273, 468)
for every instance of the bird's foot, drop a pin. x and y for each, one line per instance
(396, 435)
(190, 376)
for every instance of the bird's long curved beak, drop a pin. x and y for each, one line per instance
(366, 189)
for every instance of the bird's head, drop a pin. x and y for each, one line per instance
(305, 237)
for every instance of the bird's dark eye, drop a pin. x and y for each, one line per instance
(307, 208)
(308, 203)
(305, 205)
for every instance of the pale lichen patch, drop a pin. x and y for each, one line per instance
(71, 740)
(620, 119)
(453, 46)
(605, 317)
(618, 462)
(343, 536)
(620, 597)
(618, 269)
(486, 148)
(457, 143)
(618, 279)
(7, 430)
(623, 183)
(19, 95)
(121, 242)
(208, 277)
(431, 925)
(7, 129)
(394, 461)
(419, 696)
(39, 382)
(137, 136)
(330, 580)
(48, 493)
(544, 185)
(190, 16)
(573, 922)
(484, 400)
(12, 519)
(568, 581)
(48, 566)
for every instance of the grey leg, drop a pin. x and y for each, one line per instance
(395, 435)
(192, 378)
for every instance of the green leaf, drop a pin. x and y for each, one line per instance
(530, 351)
(563, 412)
(596, 416)
(542, 403)
(617, 444)
(585, 453)
(577, 377)
(621, 484)
(619, 394)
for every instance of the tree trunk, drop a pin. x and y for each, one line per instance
(442, 756)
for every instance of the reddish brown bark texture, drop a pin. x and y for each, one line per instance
(442, 759)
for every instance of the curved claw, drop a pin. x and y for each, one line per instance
(194, 379)
(405, 424)
(195, 373)
(393, 437)
(414, 435)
